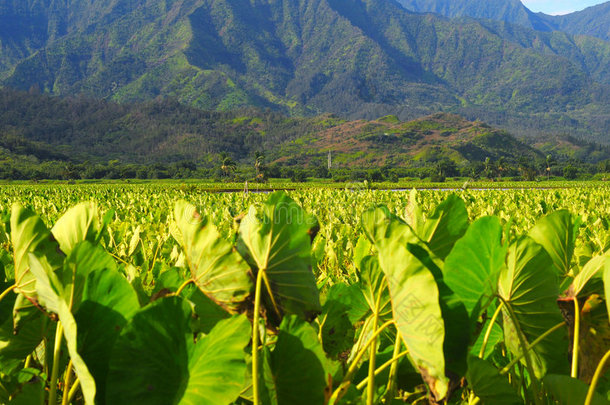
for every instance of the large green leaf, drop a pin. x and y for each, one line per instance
(154, 360)
(557, 234)
(295, 369)
(473, 267)
(81, 222)
(217, 367)
(149, 362)
(487, 383)
(84, 259)
(415, 296)
(458, 327)
(344, 306)
(446, 225)
(62, 293)
(375, 286)
(32, 392)
(496, 336)
(589, 278)
(23, 328)
(606, 277)
(108, 302)
(51, 293)
(28, 235)
(219, 271)
(529, 285)
(276, 239)
(570, 391)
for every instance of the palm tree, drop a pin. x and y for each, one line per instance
(228, 165)
(501, 165)
(259, 159)
(488, 173)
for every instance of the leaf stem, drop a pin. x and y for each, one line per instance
(525, 351)
(154, 261)
(575, 348)
(255, 325)
(392, 362)
(347, 380)
(73, 390)
(530, 347)
(598, 373)
(67, 381)
(7, 291)
(184, 285)
(370, 392)
(396, 355)
(489, 328)
(28, 361)
(59, 333)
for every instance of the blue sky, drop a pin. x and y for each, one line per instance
(559, 6)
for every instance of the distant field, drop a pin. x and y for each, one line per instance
(286, 184)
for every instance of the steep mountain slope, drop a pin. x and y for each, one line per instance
(356, 58)
(511, 11)
(594, 21)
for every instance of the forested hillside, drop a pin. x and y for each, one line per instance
(43, 136)
(354, 58)
(592, 21)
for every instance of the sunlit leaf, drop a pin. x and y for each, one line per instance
(216, 267)
(276, 239)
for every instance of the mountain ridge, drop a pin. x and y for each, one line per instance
(355, 58)
(592, 21)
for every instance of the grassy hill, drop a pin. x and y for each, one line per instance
(390, 142)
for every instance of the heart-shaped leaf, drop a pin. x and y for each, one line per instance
(28, 235)
(219, 271)
(487, 383)
(445, 226)
(155, 360)
(557, 234)
(414, 294)
(276, 239)
(473, 267)
(108, 302)
(529, 285)
(81, 222)
(295, 369)
(569, 391)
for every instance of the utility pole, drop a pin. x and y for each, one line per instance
(330, 160)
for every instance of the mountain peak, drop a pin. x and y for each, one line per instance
(593, 21)
(360, 59)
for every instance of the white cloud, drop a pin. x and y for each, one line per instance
(562, 12)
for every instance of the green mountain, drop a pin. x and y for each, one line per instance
(593, 21)
(354, 58)
(511, 11)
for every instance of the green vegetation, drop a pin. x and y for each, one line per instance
(315, 297)
(43, 137)
(593, 21)
(363, 59)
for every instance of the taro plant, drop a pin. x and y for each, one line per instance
(432, 308)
